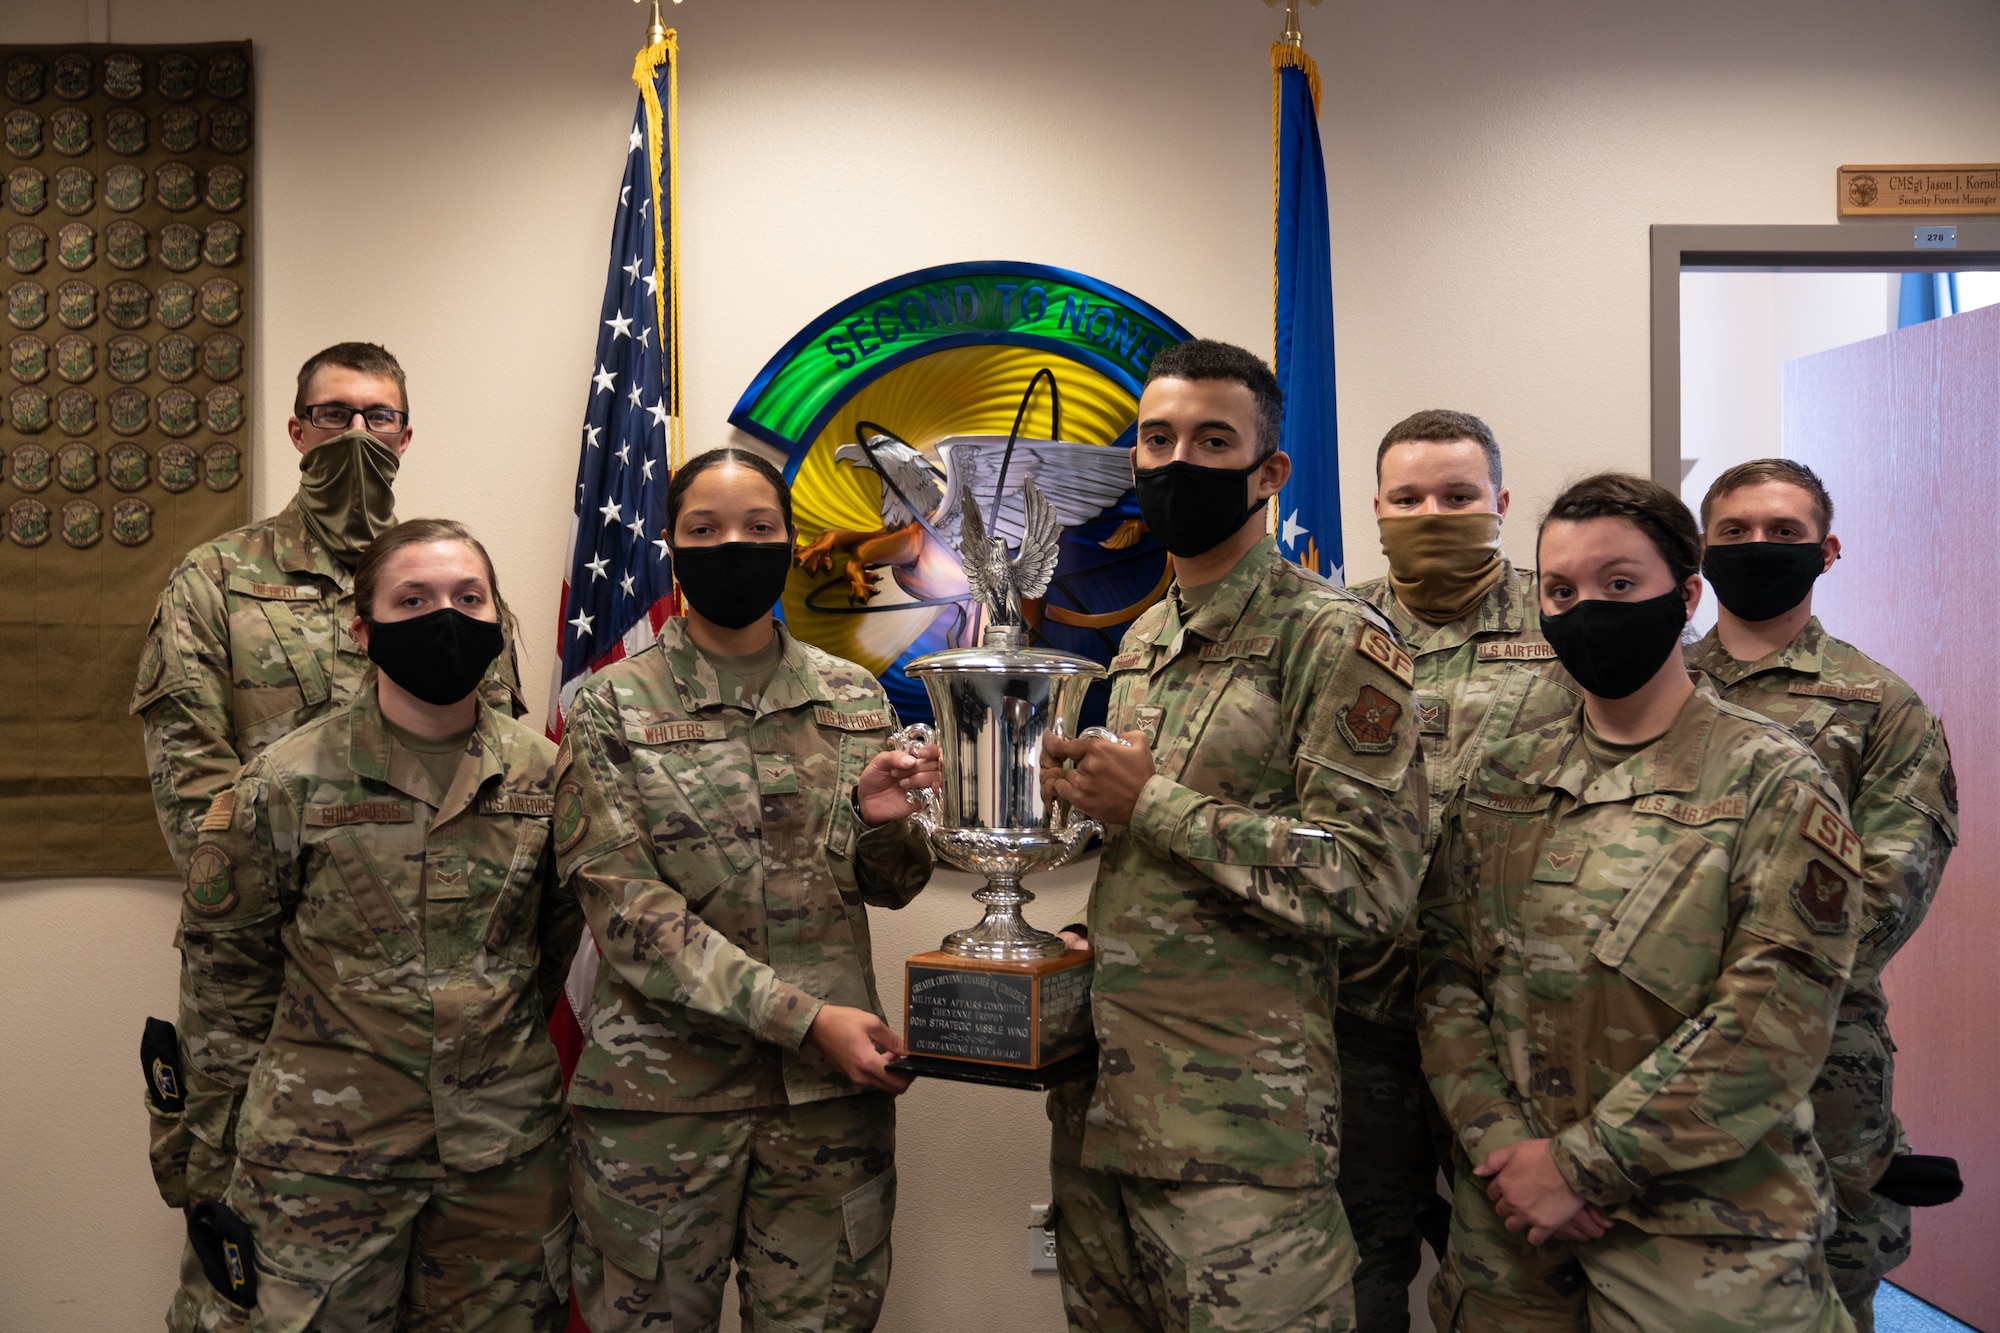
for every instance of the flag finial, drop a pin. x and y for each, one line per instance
(1291, 36)
(656, 31)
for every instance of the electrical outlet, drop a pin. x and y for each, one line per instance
(1041, 1238)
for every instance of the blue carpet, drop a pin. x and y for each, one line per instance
(1896, 1311)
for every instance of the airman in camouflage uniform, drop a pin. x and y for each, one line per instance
(1480, 677)
(369, 965)
(1637, 953)
(725, 870)
(1283, 818)
(1888, 756)
(251, 641)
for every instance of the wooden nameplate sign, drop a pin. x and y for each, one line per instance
(1014, 1023)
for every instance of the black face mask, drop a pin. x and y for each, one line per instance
(440, 658)
(1762, 580)
(734, 583)
(1612, 648)
(1193, 509)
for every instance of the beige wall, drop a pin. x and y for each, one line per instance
(437, 176)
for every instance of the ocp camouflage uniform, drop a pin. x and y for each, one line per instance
(725, 872)
(1194, 1178)
(1640, 959)
(1888, 756)
(368, 969)
(249, 642)
(1480, 677)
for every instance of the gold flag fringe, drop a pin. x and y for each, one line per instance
(664, 123)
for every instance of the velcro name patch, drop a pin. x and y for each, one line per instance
(360, 812)
(1379, 648)
(1868, 692)
(1516, 652)
(873, 720)
(1257, 645)
(1727, 807)
(1825, 829)
(220, 811)
(669, 733)
(279, 592)
(1513, 805)
(1130, 661)
(518, 803)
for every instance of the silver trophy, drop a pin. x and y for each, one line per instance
(993, 705)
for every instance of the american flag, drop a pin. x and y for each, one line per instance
(619, 588)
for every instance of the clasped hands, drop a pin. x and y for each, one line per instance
(1531, 1195)
(1107, 779)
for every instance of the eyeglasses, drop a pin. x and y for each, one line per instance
(335, 416)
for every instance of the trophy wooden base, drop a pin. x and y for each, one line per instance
(1002, 1022)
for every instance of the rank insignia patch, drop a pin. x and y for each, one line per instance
(1433, 715)
(211, 881)
(82, 523)
(28, 522)
(28, 358)
(1368, 724)
(131, 522)
(76, 358)
(1821, 898)
(571, 822)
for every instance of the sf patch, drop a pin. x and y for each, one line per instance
(1825, 829)
(1368, 725)
(211, 881)
(1379, 648)
(571, 822)
(1820, 897)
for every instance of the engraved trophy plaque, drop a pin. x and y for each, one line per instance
(1000, 1002)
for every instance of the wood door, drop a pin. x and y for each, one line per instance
(1905, 430)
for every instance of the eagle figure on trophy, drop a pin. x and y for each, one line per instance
(999, 585)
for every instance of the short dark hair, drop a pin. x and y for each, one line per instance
(677, 489)
(417, 532)
(1440, 425)
(1760, 470)
(362, 358)
(1207, 359)
(1647, 505)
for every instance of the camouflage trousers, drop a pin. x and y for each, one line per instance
(799, 1198)
(1627, 1281)
(1149, 1256)
(1391, 1137)
(1856, 1127)
(467, 1252)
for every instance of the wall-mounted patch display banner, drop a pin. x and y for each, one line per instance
(891, 401)
(1918, 191)
(125, 174)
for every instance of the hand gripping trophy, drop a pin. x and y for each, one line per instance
(1001, 1002)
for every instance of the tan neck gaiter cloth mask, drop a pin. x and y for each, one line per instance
(1441, 565)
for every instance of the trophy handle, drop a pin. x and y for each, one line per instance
(909, 740)
(1103, 734)
(1076, 831)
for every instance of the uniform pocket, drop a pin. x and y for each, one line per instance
(868, 1211)
(556, 1244)
(1295, 1265)
(351, 913)
(510, 928)
(620, 1232)
(167, 1142)
(1663, 937)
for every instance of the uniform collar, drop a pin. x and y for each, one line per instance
(1672, 763)
(1503, 610)
(373, 753)
(296, 552)
(1805, 654)
(795, 685)
(1219, 617)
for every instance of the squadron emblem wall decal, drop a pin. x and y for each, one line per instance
(123, 411)
(980, 374)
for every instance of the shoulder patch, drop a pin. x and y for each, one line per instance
(1130, 661)
(571, 822)
(534, 804)
(1379, 648)
(1825, 829)
(360, 812)
(1726, 807)
(1257, 645)
(152, 663)
(1862, 691)
(671, 733)
(1368, 725)
(220, 811)
(875, 719)
(211, 881)
(1820, 898)
(1518, 651)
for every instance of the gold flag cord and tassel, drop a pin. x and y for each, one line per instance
(663, 125)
